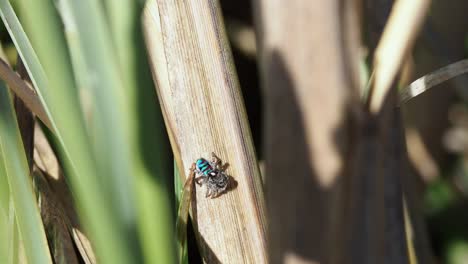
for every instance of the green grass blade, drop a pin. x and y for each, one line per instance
(12, 236)
(178, 185)
(4, 214)
(183, 194)
(110, 111)
(13, 249)
(79, 65)
(8, 225)
(22, 194)
(108, 106)
(25, 50)
(97, 211)
(152, 156)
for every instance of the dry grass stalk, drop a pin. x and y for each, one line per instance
(309, 72)
(397, 40)
(382, 178)
(56, 223)
(25, 118)
(204, 112)
(432, 79)
(24, 91)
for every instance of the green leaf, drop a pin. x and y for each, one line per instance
(152, 156)
(99, 212)
(16, 169)
(183, 194)
(109, 127)
(4, 201)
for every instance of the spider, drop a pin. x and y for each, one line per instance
(211, 174)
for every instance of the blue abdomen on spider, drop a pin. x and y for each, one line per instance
(211, 174)
(203, 167)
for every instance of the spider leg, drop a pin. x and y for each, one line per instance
(224, 167)
(192, 171)
(208, 192)
(200, 179)
(214, 158)
(193, 167)
(197, 171)
(215, 161)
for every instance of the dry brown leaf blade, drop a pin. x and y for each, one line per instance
(24, 91)
(397, 40)
(46, 161)
(432, 79)
(55, 221)
(204, 112)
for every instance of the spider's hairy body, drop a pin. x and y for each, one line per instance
(212, 175)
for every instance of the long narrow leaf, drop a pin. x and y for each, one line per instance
(110, 111)
(93, 44)
(11, 255)
(17, 172)
(24, 92)
(152, 156)
(204, 112)
(25, 50)
(104, 112)
(183, 198)
(59, 95)
(4, 204)
(13, 235)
